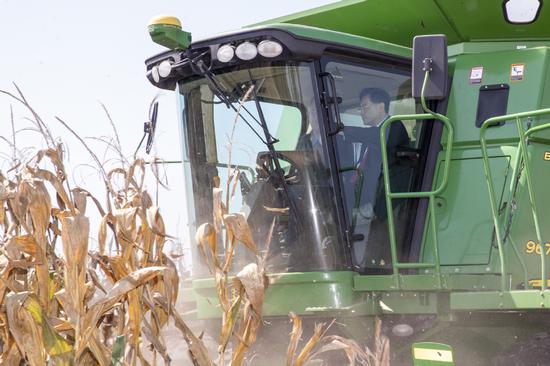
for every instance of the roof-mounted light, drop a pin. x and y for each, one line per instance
(522, 11)
(246, 51)
(154, 73)
(165, 68)
(225, 53)
(269, 48)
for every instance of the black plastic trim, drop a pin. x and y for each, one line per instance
(294, 48)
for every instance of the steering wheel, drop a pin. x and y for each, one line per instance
(266, 167)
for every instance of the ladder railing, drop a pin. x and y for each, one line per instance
(428, 116)
(430, 195)
(521, 157)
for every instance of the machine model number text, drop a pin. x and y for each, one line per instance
(532, 247)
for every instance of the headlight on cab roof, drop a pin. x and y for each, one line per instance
(270, 48)
(246, 51)
(225, 53)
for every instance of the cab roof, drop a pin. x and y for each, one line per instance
(398, 21)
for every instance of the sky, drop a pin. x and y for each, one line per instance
(69, 57)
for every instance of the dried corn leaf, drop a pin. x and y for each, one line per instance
(295, 336)
(130, 180)
(219, 209)
(119, 290)
(24, 244)
(381, 344)
(306, 352)
(236, 223)
(254, 283)
(350, 347)
(11, 355)
(102, 235)
(125, 224)
(29, 326)
(39, 204)
(156, 340)
(229, 319)
(248, 332)
(75, 247)
(197, 350)
(205, 237)
(55, 345)
(156, 223)
(80, 199)
(57, 184)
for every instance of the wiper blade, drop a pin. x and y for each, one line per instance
(270, 146)
(200, 68)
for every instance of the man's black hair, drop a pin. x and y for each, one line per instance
(376, 95)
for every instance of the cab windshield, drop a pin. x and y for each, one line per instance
(227, 142)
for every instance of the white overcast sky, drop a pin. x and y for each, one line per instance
(67, 56)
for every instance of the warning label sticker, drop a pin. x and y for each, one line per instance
(476, 75)
(517, 72)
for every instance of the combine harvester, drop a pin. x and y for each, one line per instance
(435, 108)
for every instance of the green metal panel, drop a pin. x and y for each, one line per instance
(532, 299)
(427, 282)
(464, 216)
(344, 38)
(302, 293)
(523, 96)
(523, 229)
(461, 21)
(483, 47)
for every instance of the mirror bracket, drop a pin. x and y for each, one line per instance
(430, 55)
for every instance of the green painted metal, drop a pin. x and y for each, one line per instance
(427, 282)
(501, 300)
(524, 95)
(476, 20)
(525, 160)
(451, 280)
(464, 222)
(429, 115)
(300, 292)
(169, 36)
(486, 47)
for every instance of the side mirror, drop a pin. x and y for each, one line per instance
(151, 126)
(430, 53)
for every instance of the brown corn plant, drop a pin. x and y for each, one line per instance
(62, 302)
(320, 343)
(65, 304)
(241, 300)
(52, 294)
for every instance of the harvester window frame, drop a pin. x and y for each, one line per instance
(389, 65)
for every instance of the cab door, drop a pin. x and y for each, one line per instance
(361, 84)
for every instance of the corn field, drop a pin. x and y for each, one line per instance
(65, 301)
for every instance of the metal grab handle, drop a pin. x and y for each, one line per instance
(522, 154)
(333, 100)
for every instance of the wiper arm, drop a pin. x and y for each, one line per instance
(200, 68)
(270, 146)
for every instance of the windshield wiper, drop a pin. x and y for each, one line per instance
(199, 67)
(271, 141)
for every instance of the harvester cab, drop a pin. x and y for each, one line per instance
(389, 171)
